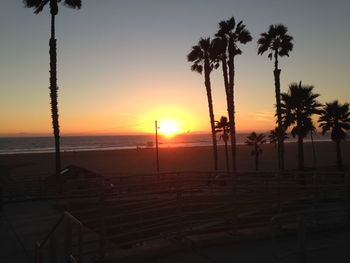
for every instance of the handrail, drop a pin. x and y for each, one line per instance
(300, 218)
(53, 229)
(68, 239)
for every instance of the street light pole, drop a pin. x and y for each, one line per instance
(157, 151)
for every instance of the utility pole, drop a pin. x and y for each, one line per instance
(157, 151)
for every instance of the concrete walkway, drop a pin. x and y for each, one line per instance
(223, 248)
(11, 249)
(21, 226)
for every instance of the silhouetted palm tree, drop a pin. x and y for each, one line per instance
(278, 43)
(203, 59)
(38, 6)
(336, 117)
(223, 127)
(273, 138)
(297, 108)
(256, 140)
(229, 36)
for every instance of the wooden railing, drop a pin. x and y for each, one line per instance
(306, 222)
(120, 211)
(50, 240)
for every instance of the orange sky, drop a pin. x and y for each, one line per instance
(122, 65)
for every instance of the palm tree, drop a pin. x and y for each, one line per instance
(223, 127)
(38, 6)
(336, 117)
(256, 140)
(228, 37)
(278, 43)
(202, 57)
(297, 108)
(273, 137)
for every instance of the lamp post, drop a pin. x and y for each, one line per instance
(157, 151)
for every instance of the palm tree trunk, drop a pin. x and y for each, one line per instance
(313, 149)
(227, 92)
(276, 74)
(226, 155)
(257, 162)
(231, 112)
(224, 73)
(339, 156)
(54, 88)
(300, 152)
(211, 111)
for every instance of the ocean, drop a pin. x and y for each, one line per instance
(15, 145)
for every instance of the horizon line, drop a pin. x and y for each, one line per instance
(17, 135)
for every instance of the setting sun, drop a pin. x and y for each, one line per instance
(168, 128)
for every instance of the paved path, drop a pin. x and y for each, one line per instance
(21, 226)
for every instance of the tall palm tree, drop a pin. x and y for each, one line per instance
(38, 6)
(336, 117)
(256, 140)
(228, 37)
(203, 59)
(223, 127)
(278, 43)
(297, 108)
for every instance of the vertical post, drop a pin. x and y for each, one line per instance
(316, 196)
(1, 199)
(234, 204)
(102, 232)
(157, 151)
(273, 230)
(302, 240)
(53, 254)
(179, 211)
(68, 239)
(38, 255)
(279, 195)
(347, 183)
(80, 244)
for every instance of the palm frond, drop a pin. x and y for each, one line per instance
(37, 5)
(297, 107)
(277, 40)
(76, 4)
(334, 117)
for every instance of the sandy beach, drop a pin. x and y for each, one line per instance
(171, 159)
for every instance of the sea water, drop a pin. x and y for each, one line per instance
(13, 145)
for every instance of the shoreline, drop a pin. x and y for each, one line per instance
(197, 158)
(135, 147)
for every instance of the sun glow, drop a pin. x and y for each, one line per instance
(169, 128)
(172, 120)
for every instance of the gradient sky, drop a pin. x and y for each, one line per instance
(122, 64)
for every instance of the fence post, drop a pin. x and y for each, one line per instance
(80, 244)
(1, 199)
(102, 233)
(302, 239)
(37, 253)
(234, 204)
(179, 212)
(279, 195)
(53, 254)
(67, 239)
(347, 183)
(315, 182)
